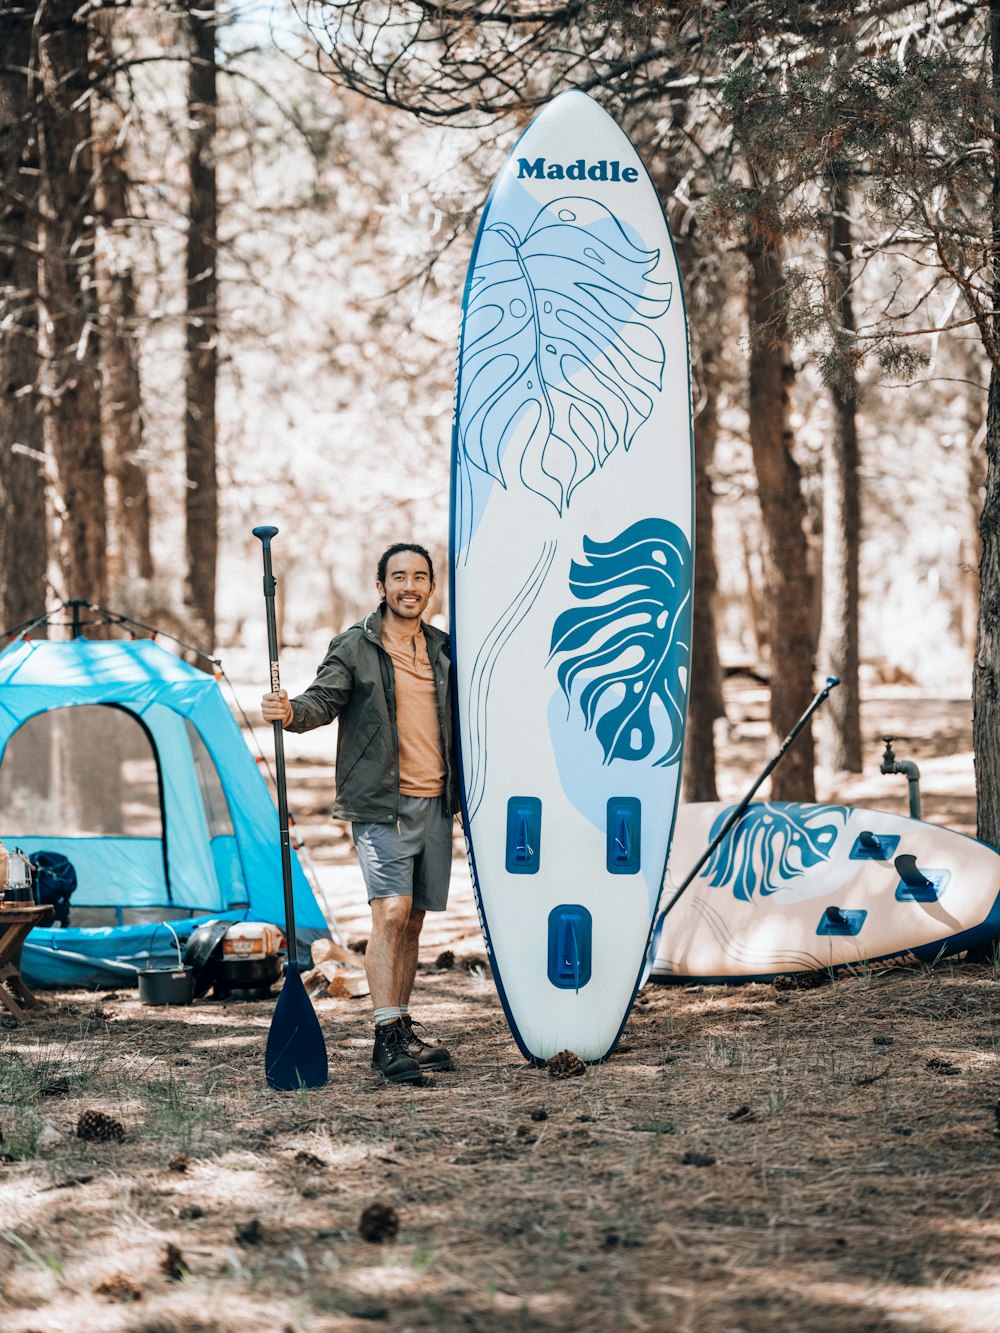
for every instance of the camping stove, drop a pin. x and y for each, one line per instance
(249, 977)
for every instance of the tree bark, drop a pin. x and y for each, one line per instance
(705, 682)
(839, 725)
(23, 532)
(703, 292)
(67, 300)
(202, 505)
(786, 570)
(986, 672)
(130, 561)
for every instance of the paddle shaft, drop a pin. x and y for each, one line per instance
(831, 684)
(264, 534)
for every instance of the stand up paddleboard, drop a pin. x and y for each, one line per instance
(796, 888)
(571, 573)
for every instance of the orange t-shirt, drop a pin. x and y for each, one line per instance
(421, 760)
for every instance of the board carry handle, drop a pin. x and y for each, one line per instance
(818, 700)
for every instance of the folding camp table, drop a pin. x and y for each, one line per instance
(15, 925)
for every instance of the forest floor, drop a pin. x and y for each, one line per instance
(751, 1157)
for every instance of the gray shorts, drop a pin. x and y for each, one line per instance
(411, 859)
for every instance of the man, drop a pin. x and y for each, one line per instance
(388, 681)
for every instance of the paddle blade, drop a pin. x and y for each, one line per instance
(295, 1056)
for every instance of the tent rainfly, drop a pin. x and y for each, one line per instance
(128, 761)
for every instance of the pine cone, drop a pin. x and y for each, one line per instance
(172, 1265)
(565, 1065)
(99, 1128)
(379, 1222)
(801, 980)
(119, 1289)
(813, 980)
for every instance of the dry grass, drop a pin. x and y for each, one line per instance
(826, 1158)
(751, 1158)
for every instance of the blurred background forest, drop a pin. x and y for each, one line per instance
(233, 241)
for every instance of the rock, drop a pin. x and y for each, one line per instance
(48, 1137)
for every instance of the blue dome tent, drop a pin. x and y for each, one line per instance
(127, 760)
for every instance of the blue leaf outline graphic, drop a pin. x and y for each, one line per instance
(772, 846)
(559, 357)
(500, 635)
(631, 644)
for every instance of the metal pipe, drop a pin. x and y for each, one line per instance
(890, 764)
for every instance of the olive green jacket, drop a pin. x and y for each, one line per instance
(356, 684)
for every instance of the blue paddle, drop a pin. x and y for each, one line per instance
(295, 1056)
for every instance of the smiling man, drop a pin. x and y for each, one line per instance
(388, 682)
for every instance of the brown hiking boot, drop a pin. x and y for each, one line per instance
(390, 1055)
(427, 1056)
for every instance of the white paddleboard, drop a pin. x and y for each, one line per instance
(571, 573)
(797, 888)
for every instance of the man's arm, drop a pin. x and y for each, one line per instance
(320, 703)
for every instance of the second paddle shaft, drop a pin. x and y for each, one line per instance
(831, 684)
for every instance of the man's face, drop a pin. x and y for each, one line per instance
(408, 585)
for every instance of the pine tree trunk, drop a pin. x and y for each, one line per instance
(986, 672)
(703, 289)
(786, 573)
(970, 551)
(705, 681)
(68, 306)
(23, 539)
(839, 725)
(130, 560)
(202, 504)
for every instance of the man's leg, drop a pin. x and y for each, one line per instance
(431, 875)
(386, 856)
(411, 950)
(390, 959)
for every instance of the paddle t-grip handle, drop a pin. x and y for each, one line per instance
(264, 534)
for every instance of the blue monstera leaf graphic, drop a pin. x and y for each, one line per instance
(560, 362)
(772, 846)
(626, 651)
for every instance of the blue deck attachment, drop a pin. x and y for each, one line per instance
(841, 921)
(570, 946)
(873, 846)
(624, 835)
(916, 885)
(524, 835)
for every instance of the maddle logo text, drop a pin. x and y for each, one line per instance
(580, 170)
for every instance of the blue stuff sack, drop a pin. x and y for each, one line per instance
(55, 880)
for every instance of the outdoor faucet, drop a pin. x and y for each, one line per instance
(890, 764)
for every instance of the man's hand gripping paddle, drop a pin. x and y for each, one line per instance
(295, 1056)
(736, 815)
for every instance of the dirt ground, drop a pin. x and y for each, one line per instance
(751, 1157)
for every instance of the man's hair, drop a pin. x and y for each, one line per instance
(395, 549)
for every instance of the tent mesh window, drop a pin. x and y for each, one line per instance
(82, 772)
(220, 821)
